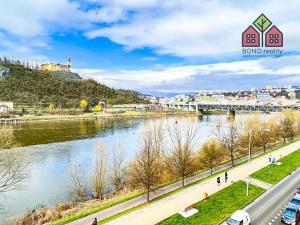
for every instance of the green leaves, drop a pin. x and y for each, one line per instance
(262, 23)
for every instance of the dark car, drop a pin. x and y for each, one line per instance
(291, 216)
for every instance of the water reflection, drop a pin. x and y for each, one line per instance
(60, 131)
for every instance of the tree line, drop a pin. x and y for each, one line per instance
(171, 151)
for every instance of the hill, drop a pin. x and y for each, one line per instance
(31, 87)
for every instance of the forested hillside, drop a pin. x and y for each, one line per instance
(31, 87)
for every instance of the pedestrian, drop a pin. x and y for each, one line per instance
(270, 159)
(218, 181)
(226, 177)
(95, 222)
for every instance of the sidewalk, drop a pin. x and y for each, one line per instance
(160, 210)
(259, 183)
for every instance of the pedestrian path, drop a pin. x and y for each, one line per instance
(162, 209)
(259, 183)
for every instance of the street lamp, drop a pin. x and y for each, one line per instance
(249, 154)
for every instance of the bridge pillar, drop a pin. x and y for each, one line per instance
(230, 113)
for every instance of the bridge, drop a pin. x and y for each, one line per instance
(200, 107)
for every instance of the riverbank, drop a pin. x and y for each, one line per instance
(103, 115)
(166, 190)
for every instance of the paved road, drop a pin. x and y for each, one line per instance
(142, 199)
(267, 209)
(157, 211)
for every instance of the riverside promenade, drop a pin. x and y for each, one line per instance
(161, 209)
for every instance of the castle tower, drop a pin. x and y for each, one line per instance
(69, 65)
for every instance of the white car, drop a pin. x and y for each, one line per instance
(239, 218)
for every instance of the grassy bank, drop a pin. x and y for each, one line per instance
(101, 207)
(218, 207)
(102, 115)
(274, 173)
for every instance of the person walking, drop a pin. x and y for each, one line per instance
(226, 177)
(218, 181)
(270, 159)
(95, 222)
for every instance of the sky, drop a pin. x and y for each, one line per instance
(151, 46)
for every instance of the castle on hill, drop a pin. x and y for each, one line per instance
(57, 67)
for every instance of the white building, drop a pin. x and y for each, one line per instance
(263, 96)
(6, 107)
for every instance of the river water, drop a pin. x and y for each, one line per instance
(53, 147)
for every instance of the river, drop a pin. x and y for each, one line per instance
(53, 147)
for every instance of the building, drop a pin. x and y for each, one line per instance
(274, 37)
(6, 107)
(250, 37)
(57, 67)
(263, 96)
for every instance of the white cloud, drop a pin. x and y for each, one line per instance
(179, 27)
(195, 28)
(211, 76)
(30, 18)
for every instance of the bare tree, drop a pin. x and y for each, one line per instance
(287, 127)
(297, 124)
(180, 159)
(252, 125)
(264, 135)
(230, 140)
(78, 181)
(100, 171)
(14, 169)
(145, 170)
(275, 131)
(211, 154)
(118, 170)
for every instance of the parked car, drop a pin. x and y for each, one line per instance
(239, 218)
(295, 202)
(291, 216)
(297, 192)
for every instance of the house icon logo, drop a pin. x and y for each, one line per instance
(262, 34)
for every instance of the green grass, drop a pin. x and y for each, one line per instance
(218, 207)
(274, 173)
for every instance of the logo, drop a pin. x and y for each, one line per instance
(262, 39)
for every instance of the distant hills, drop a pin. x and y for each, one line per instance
(31, 87)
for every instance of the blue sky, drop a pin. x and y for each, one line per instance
(153, 46)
